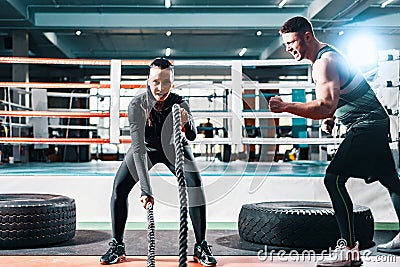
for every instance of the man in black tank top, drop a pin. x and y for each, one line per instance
(343, 93)
(151, 130)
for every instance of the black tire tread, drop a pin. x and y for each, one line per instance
(313, 227)
(31, 220)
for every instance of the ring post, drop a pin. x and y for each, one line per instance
(115, 79)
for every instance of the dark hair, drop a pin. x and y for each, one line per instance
(297, 24)
(154, 111)
(161, 63)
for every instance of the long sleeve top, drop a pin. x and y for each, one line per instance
(151, 129)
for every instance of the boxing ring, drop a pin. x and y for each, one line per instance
(252, 181)
(227, 185)
(233, 116)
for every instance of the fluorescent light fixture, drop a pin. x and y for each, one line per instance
(384, 4)
(167, 52)
(340, 33)
(78, 33)
(168, 33)
(282, 3)
(167, 3)
(259, 33)
(241, 53)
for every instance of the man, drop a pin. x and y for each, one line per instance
(151, 129)
(343, 93)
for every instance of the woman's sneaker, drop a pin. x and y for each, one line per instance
(115, 254)
(392, 246)
(202, 254)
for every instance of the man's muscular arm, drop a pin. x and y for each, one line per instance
(327, 92)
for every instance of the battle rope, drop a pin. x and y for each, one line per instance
(151, 261)
(179, 161)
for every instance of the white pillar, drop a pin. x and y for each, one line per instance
(115, 79)
(236, 105)
(40, 124)
(20, 73)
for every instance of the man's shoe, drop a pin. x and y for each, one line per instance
(115, 254)
(342, 256)
(391, 246)
(203, 255)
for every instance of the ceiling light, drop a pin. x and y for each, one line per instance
(340, 33)
(282, 3)
(259, 33)
(384, 4)
(241, 53)
(78, 33)
(168, 33)
(167, 3)
(167, 52)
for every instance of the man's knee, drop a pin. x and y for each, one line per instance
(330, 180)
(333, 181)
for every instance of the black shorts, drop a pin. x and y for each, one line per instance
(364, 153)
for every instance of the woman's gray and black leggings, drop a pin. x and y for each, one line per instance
(124, 182)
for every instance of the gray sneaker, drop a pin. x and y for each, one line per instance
(392, 246)
(203, 255)
(115, 254)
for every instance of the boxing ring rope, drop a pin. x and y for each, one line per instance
(213, 141)
(59, 114)
(70, 61)
(64, 141)
(43, 85)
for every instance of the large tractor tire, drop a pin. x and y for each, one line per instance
(32, 220)
(300, 224)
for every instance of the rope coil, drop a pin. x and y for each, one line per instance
(151, 261)
(179, 163)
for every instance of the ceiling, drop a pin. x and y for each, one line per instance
(209, 29)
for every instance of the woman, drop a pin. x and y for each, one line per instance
(151, 129)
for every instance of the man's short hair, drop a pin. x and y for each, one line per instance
(297, 24)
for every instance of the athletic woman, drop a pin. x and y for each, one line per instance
(151, 130)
